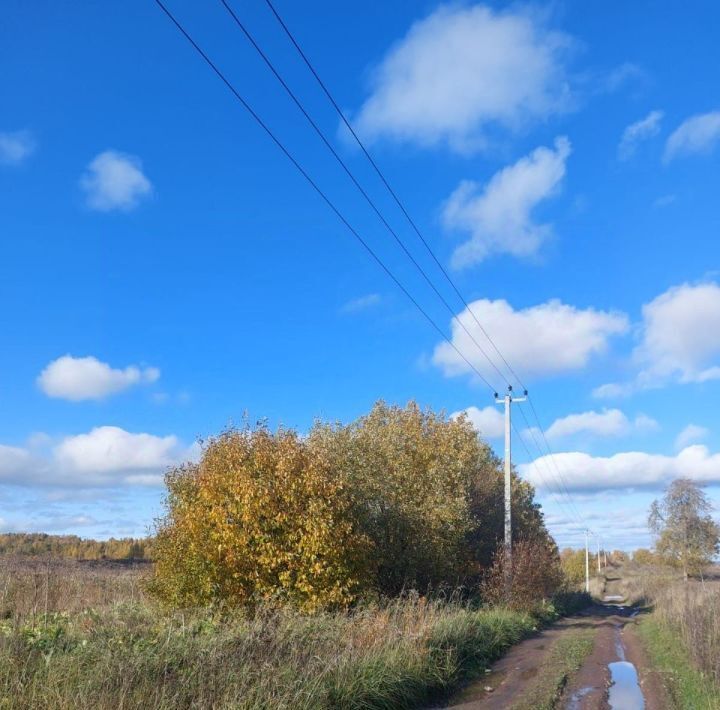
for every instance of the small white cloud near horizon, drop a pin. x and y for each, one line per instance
(628, 470)
(16, 147)
(641, 130)
(697, 135)
(691, 434)
(362, 303)
(608, 423)
(81, 378)
(543, 340)
(463, 71)
(498, 215)
(488, 422)
(114, 181)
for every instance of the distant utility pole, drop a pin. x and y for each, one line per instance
(507, 401)
(598, 553)
(587, 563)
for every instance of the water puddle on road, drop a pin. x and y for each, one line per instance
(625, 693)
(576, 698)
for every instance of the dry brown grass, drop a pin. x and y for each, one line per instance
(690, 610)
(32, 587)
(82, 636)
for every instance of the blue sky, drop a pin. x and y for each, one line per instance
(165, 270)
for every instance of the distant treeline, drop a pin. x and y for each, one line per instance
(74, 547)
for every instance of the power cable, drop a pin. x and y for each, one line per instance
(317, 188)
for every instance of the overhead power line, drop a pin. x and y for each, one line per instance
(339, 214)
(392, 192)
(407, 215)
(279, 144)
(249, 36)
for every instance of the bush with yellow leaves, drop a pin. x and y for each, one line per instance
(402, 498)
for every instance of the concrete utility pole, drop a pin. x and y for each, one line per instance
(507, 401)
(587, 563)
(598, 553)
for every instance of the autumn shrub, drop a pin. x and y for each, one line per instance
(261, 517)
(402, 498)
(528, 580)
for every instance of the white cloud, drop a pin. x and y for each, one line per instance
(691, 434)
(78, 378)
(643, 422)
(105, 456)
(639, 131)
(679, 341)
(609, 422)
(681, 336)
(612, 390)
(546, 339)
(633, 469)
(114, 181)
(498, 215)
(15, 147)
(361, 303)
(462, 71)
(696, 135)
(108, 449)
(489, 422)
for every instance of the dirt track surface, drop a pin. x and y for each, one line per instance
(615, 640)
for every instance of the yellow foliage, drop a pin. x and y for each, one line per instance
(261, 517)
(402, 498)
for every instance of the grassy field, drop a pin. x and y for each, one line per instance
(84, 635)
(682, 634)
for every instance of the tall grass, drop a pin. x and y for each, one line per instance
(688, 612)
(100, 644)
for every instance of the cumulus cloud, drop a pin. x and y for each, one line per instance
(362, 303)
(15, 147)
(633, 469)
(546, 339)
(489, 422)
(681, 335)
(641, 130)
(679, 341)
(609, 423)
(79, 378)
(691, 434)
(105, 456)
(462, 71)
(698, 134)
(498, 216)
(114, 181)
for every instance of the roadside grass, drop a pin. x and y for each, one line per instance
(564, 658)
(398, 655)
(71, 637)
(688, 687)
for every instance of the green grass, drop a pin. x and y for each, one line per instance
(688, 688)
(399, 655)
(564, 658)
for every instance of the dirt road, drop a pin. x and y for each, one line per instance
(615, 675)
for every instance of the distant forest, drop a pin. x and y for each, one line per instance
(73, 547)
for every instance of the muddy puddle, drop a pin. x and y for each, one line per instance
(625, 692)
